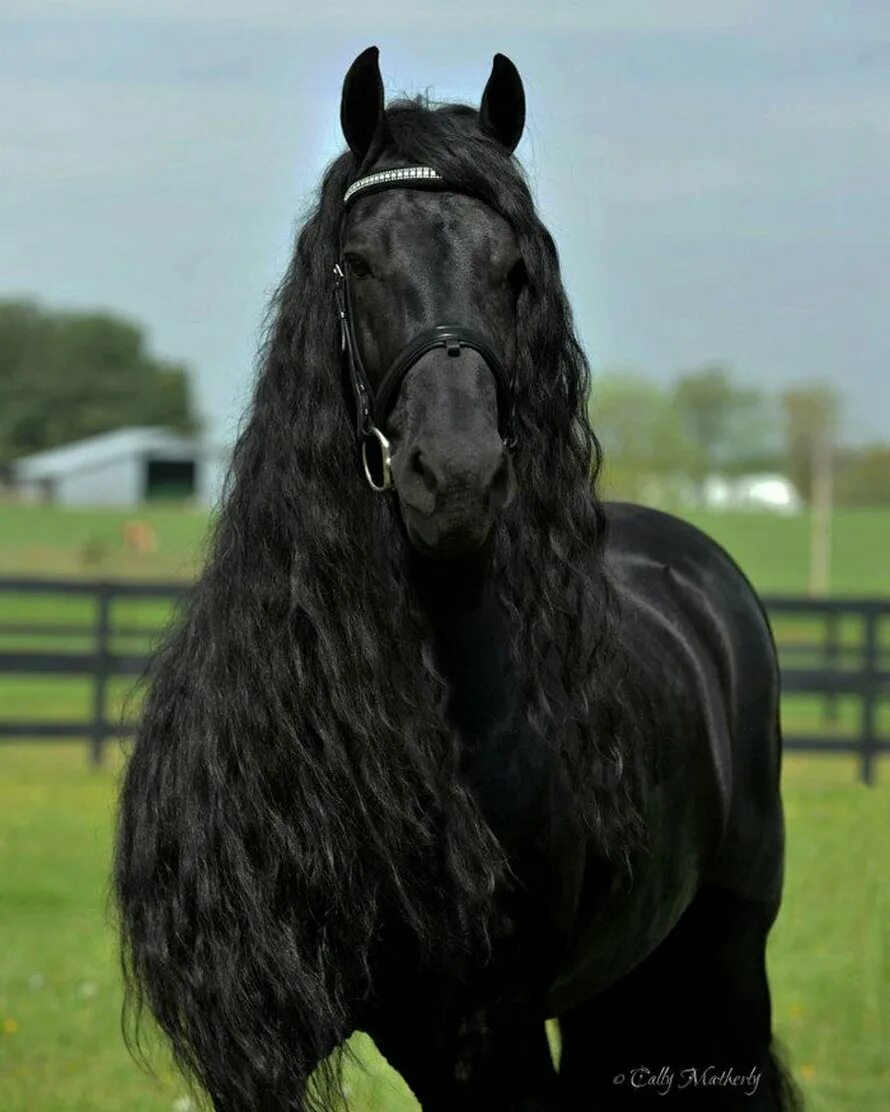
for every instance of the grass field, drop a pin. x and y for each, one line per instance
(60, 1044)
(47, 540)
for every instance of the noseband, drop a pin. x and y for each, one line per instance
(373, 407)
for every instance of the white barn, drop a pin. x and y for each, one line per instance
(775, 493)
(123, 468)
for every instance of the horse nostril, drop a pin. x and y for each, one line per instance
(420, 468)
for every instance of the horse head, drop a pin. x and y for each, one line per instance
(430, 278)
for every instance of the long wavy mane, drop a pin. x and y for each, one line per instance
(293, 786)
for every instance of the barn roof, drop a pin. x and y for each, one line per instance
(105, 448)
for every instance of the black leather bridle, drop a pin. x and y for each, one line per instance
(372, 407)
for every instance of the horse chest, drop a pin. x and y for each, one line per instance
(512, 774)
(502, 763)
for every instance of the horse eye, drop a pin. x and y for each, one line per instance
(358, 266)
(517, 277)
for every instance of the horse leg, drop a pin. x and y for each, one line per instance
(477, 1062)
(688, 1028)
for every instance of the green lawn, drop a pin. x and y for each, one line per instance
(773, 550)
(49, 540)
(60, 1045)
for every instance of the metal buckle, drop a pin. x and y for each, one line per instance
(385, 457)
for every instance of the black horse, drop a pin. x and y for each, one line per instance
(443, 761)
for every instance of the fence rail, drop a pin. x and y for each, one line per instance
(98, 663)
(830, 665)
(868, 678)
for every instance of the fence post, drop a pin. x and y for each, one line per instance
(829, 710)
(869, 696)
(100, 680)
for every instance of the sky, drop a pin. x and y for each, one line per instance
(716, 173)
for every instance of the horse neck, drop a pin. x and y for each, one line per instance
(503, 762)
(471, 640)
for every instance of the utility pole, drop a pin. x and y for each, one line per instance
(811, 415)
(821, 502)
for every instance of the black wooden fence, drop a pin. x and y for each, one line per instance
(850, 659)
(101, 659)
(829, 648)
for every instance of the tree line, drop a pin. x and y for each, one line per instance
(661, 439)
(68, 375)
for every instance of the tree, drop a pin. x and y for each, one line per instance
(811, 414)
(64, 376)
(863, 477)
(729, 427)
(646, 451)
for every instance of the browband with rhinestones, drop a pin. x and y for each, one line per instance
(392, 177)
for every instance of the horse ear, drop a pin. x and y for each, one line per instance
(502, 112)
(361, 105)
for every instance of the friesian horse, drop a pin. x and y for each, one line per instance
(443, 758)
